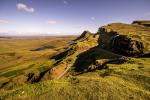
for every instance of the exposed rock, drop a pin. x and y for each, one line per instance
(142, 22)
(147, 55)
(126, 39)
(127, 46)
(109, 46)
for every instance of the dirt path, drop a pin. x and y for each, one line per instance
(66, 70)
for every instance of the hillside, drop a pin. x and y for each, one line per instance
(142, 22)
(112, 64)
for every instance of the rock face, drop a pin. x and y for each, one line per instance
(125, 39)
(124, 45)
(144, 23)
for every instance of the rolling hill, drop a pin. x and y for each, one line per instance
(112, 64)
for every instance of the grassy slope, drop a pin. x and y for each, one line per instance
(126, 81)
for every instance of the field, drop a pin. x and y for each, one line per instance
(23, 54)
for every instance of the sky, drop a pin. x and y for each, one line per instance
(67, 17)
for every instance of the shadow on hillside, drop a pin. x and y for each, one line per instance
(43, 48)
(89, 57)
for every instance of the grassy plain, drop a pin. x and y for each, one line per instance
(25, 54)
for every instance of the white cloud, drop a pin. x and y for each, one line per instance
(51, 22)
(24, 7)
(3, 21)
(65, 2)
(92, 18)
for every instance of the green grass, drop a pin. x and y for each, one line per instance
(86, 88)
(120, 81)
(129, 80)
(17, 60)
(15, 51)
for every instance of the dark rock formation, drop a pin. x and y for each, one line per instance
(144, 23)
(125, 39)
(124, 45)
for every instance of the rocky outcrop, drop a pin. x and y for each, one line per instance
(124, 45)
(111, 43)
(125, 39)
(142, 22)
(84, 35)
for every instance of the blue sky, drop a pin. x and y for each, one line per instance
(67, 17)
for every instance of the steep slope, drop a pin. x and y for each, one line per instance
(127, 39)
(109, 45)
(113, 41)
(66, 59)
(106, 58)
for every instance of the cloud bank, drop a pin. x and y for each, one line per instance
(51, 22)
(3, 21)
(65, 2)
(24, 7)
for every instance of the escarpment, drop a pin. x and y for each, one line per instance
(142, 22)
(125, 39)
(111, 43)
